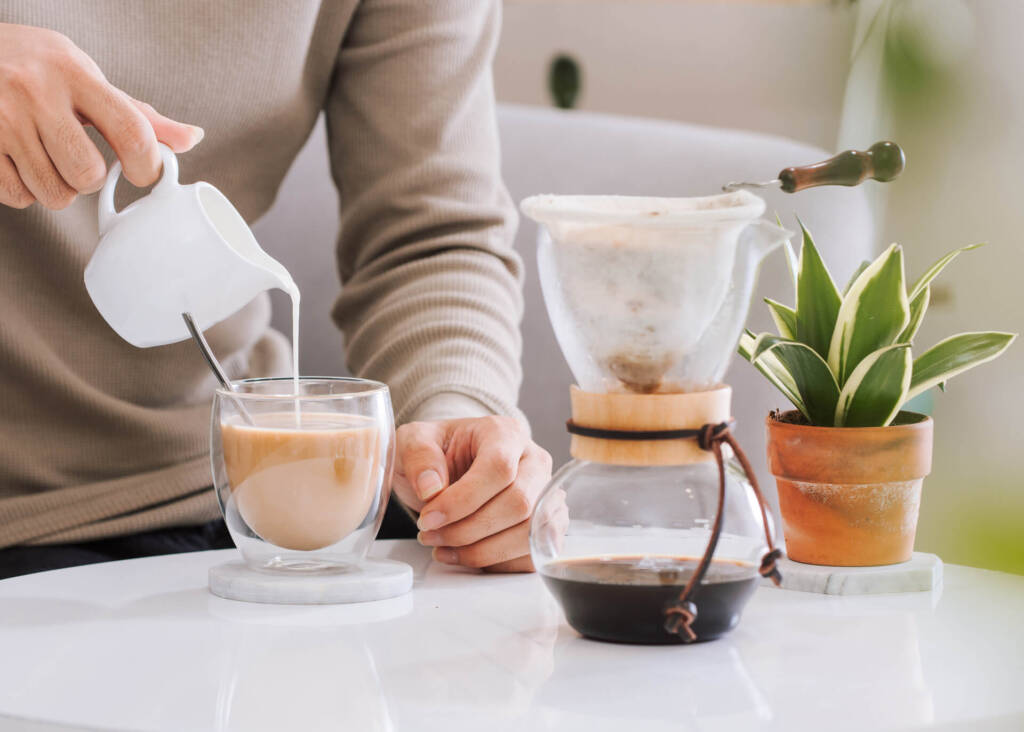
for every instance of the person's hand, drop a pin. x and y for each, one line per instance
(475, 483)
(49, 89)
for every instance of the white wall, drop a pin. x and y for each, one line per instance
(772, 67)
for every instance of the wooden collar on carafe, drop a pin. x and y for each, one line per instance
(645, 413)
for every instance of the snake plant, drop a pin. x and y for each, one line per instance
(845, 358)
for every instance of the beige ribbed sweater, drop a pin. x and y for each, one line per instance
(98, 438)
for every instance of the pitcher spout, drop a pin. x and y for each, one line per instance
(764, 237)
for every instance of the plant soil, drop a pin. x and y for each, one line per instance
(794, 416)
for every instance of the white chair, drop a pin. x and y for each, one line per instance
(550, 151)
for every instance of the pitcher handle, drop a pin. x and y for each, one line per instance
(168, 180)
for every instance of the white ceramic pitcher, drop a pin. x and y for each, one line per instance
(180, 248)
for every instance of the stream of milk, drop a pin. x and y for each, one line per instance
(293, 294)
(295, 297)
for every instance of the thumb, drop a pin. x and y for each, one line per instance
(176, 135)
(421, 458)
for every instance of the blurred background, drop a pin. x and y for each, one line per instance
(698, 89)
(941, 77)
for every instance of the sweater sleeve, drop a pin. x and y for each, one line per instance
(431, 287)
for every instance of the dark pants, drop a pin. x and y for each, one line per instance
(19, 560)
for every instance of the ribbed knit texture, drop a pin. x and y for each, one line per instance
(98, 438)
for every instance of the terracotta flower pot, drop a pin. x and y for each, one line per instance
(849, 496)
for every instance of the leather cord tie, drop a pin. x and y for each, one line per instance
(632, 435)
(681, 614)
(679, 620)
(768, 566)
(711, 433)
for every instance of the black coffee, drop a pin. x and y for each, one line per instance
(623, 598)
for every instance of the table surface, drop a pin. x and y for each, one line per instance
(142, 645)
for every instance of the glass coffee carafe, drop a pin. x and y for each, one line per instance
(666, 537)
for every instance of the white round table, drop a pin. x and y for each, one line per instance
(142, 645)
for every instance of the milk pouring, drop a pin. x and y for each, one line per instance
(302, 472)
(182, 248)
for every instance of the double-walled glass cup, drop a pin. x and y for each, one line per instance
(303, 478)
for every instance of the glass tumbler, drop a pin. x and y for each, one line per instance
(303, 476)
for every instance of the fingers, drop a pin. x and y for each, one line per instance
(499, 444)
(72, 153)
(510, 507)
(420, 458)
(556, 517)
(176, 135)
(49, 89)
(481, 520)
(519, 564)
(124, 126)
(502, 547)
(13, 192)
(38, 174)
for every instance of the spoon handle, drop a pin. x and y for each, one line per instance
(883, 161)
(214, 364)
(204, 348)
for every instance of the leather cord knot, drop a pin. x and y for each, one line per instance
(679, 620)
(768, 567)
(709, 434)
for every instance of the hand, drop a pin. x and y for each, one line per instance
(475, 483)
(49, 89)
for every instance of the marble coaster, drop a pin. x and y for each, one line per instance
(376, 579)
(921, 573)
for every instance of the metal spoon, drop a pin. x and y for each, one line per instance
(214, 364)
(883, 161)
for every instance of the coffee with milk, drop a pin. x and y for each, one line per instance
(301, 480)
(302, 486)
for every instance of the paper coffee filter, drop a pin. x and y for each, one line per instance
(635, 286)
(648, 211)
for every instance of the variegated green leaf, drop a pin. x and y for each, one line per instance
(746, 345)
(764, 341)
(791, 261)
(872, 395)
(953, 356)
(814, 383)
(772, 369)
(918, 306)
(857, 273)
(784, 317)
(873, 313)
(932, 272)
(817, 299)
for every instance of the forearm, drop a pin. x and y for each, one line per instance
(441, 329)
(431, 296)
(449, 405)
